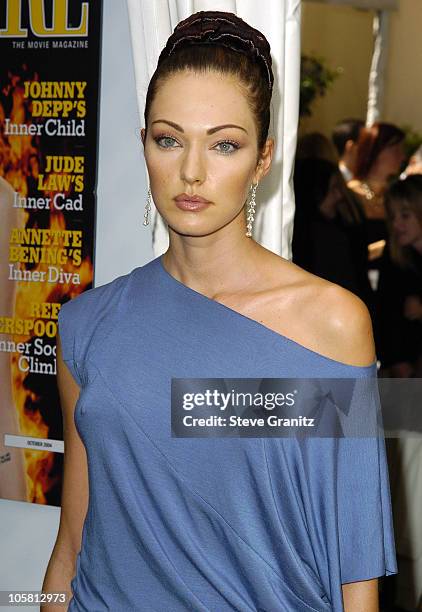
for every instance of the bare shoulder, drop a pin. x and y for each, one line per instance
(346, 325)
(323, 316)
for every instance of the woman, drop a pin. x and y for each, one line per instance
(212, 524)
(399, 347)
(315, 145)
(399, 295)
(379, 156)
(329, 234)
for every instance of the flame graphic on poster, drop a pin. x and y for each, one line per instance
(34, 392)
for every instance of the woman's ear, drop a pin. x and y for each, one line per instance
(143, 136)
(265, 159)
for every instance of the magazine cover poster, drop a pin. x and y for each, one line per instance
(49, 92)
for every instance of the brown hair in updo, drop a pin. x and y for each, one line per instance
(222, 42)
(372, 140)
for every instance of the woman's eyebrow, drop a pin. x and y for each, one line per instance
(210, 131)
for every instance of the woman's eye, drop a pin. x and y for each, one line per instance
(165, 141)
(229, 147)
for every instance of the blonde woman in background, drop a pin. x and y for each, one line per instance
(399, 347)
(399, 294)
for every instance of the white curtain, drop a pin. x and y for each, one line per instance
(378, 68)
(152, 22)
(364, 4)
(379, 58)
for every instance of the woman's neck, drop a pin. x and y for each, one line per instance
(377, 180)
(214, 267)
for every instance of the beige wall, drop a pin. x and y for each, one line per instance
(403, 90)
(343, 36)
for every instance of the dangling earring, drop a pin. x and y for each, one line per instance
(251, 211)
(147, 207)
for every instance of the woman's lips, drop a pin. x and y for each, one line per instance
(191, 205)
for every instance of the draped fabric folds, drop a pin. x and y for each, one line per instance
(151, 23)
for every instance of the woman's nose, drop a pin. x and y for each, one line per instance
(397, 224)
(193, 165)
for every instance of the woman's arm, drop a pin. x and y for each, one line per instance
(75, 492)
(350, 327)
(361, 596)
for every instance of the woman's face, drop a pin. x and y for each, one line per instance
(391, 158)
(406, 226)
(202, 141)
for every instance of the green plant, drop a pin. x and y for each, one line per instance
(412, 141)
(315, 79)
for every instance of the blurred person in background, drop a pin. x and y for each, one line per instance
(329, 233)
(398, 327)
(398, 333)
(316, 146)
(345, 138)
(379, 156)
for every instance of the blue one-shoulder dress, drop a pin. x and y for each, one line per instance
(210, 524)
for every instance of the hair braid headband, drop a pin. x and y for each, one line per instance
(220, 28)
